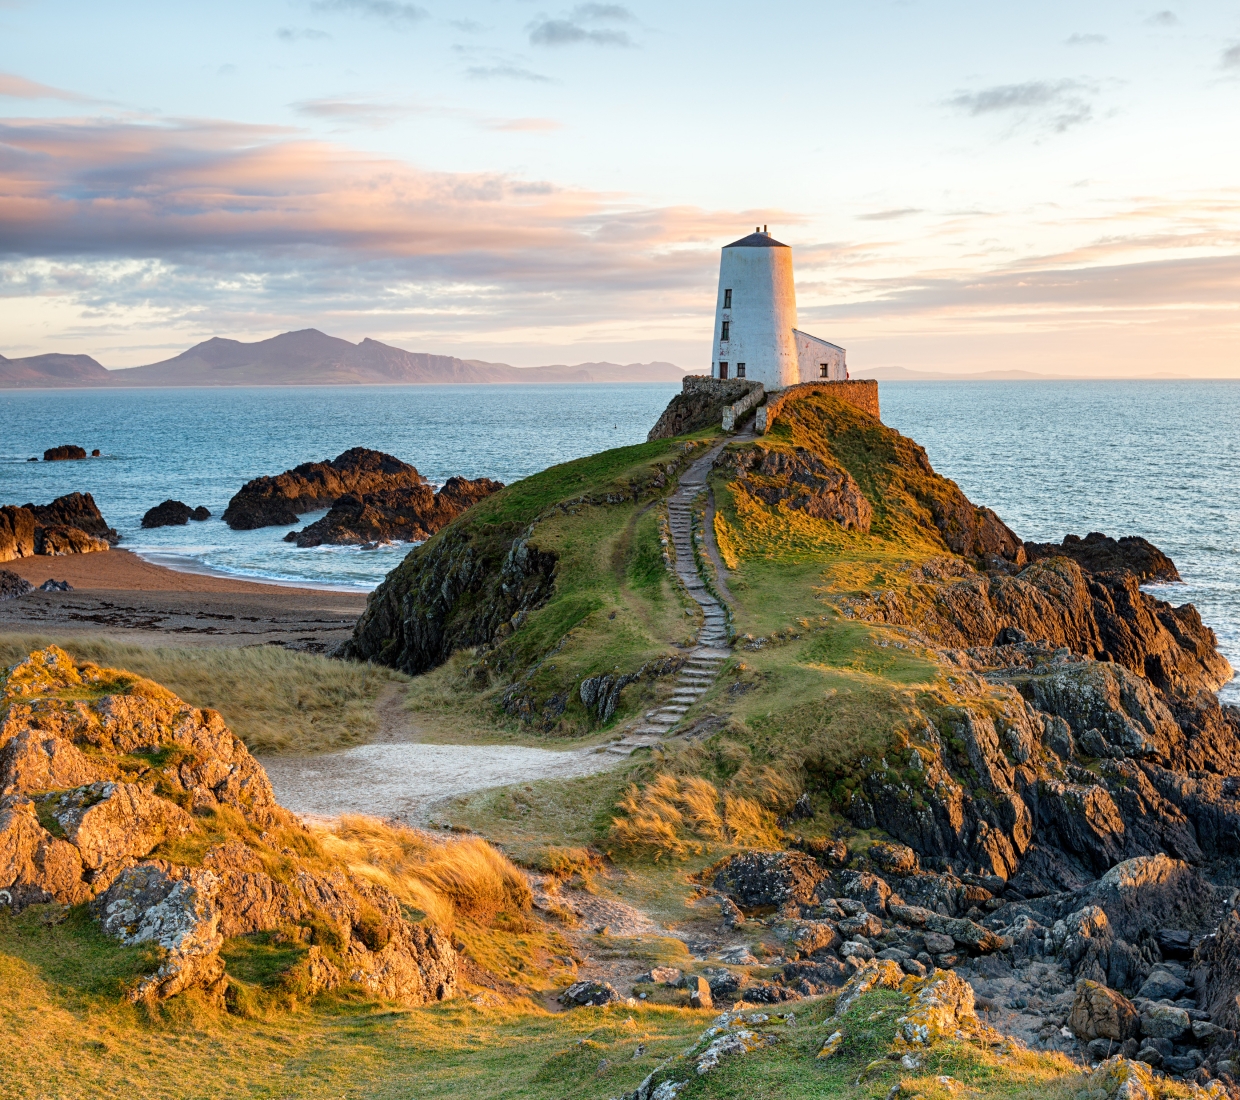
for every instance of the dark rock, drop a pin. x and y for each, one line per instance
(172, 513)
(723, 983)
(767, 993)
(1099, 554)
(407, 514)
(67, 452)
(767, 880)
(588, 993)
(200, 513)
(867, 925)
(74, 510)
(279, 500)
(1216, 972)
(13, 585)
(872, 891)
(94, 453)
(1175, 943)
(50, 585)
(1161, 985)
(825, 973)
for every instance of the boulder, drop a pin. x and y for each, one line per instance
(822, 973)
(664, 975)
(1160, 1021)
(864, 925)
(1216, 970)
(872, 891)
(172, 513)
(59, 540)
(74, 510)
(200, 513)
(16, 533)
(769, 880)
(12, 585)
(811, 937)
(940, 1007)
(1101, 1013)
(700, 995)
(279, 500)
(1121, 1078)
(406, 514)
(588, 993)
(63, 453)
(964, 932)
(1161, 985)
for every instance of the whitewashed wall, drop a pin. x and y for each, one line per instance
(762, 317)
(812, 353)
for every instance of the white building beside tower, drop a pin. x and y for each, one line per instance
(756, 334)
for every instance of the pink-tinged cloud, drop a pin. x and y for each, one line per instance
(138, 190)
(18, 87)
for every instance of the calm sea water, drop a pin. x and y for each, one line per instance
(1159, 459)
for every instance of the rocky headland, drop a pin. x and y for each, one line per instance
(280, 499)
(71, 524)
(410, 514)
(116, 794)
(173, 513)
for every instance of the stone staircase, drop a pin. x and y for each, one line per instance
(706, 658)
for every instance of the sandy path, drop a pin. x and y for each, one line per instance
(406, 779)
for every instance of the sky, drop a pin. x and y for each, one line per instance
(966, 186)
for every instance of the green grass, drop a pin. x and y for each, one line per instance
(275, 700)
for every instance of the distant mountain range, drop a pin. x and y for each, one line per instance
(308, 358)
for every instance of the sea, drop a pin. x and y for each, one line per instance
(1157, 459)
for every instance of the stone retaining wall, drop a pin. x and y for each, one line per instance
(862, 393)
(732, 414)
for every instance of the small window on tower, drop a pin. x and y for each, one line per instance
(723, 370)
(726, 325)
(740, 370)
(727, 299)
(824, 370)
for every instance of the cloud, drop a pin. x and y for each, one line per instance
(466, 26)
(889, 215)
(301, 34)
(572, 29)
(1085, 40)
(352, 112)
(1060, 104)
(1231, 57)
(506, 72)
(521, 125)
(1164, 19)
(18, 87)
(397, 14)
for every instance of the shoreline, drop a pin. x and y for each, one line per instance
(183, 563)
(121, 595)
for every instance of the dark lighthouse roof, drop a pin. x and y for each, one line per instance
(757, 240)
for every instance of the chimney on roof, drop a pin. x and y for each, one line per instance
(764, 230)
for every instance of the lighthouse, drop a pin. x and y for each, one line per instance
(756, 334)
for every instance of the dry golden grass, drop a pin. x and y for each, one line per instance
(444, 877)
(275, 700)
(663, 817)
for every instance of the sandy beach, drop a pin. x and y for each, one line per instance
(118, 594)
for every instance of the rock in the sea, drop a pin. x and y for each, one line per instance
(200, 513)
(12, 585)
(1099, 554)
(67, 451)
(172, 513)
(279, 500)
(74, 510)
(98, 768)
(410, 514)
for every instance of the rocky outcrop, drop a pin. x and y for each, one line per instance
(71, 524)
(12, 585)
(103, 775)
(279, 500)
(802, 482)
(66, 452)
(409, 514)
(699, 405)
(1096, 553)
(173, 513)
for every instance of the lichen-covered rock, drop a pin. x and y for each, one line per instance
(941, 1006)
(1124, 1079)
(97, 768)
(588, 993)
(1159, 1021)
(1102, 1013)
(965, 932)
(811, 937)
(176, 909)
(765, 880)
(873, 974)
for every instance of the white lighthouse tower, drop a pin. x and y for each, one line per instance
(756, 335)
